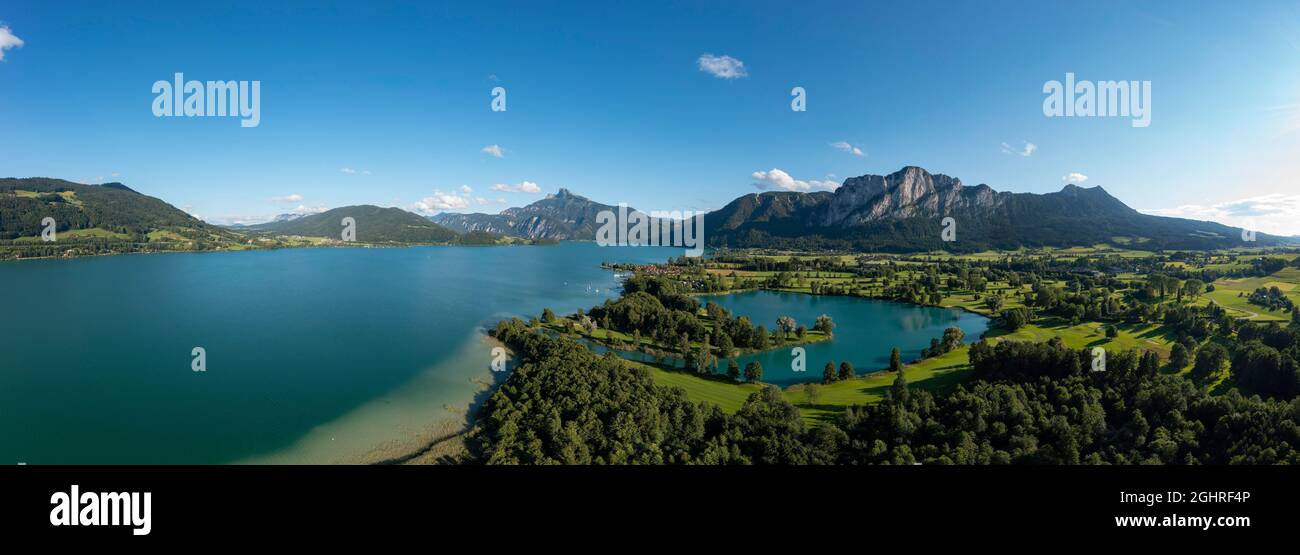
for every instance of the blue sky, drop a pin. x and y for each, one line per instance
(610, 100)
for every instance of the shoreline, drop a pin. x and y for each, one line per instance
(523, 243)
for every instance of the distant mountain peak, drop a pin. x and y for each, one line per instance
(562, 215)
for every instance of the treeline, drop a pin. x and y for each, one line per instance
(566, 405)
(656, 308)
(1027, 404)
(1042, 404)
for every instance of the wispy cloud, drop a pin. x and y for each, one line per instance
(1074, 177)
(306, 210)
(440, 202)
(466, 189)
(8, 40)
(351, 171)
(494, 151)
(1275, 213)
(523, 187)
(846, 147)
(777, 179)
(1027, 150)
(722, 67)
(287, 199)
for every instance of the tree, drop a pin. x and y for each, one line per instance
(1193, 287)
(733, 370)
(725, 347)
(548, 316)
(824, 324)
(1112, 331)
(704, 357)
(812, 393)
(899, 390)
(828, 373)
(760, 338)
(952, 338)
(992, 302)
(895, 361)
(1015, 318)
(787, 326)
(753, 372)
(1261, 369)
(846, 370)
(1178, 356)
(1209, 362)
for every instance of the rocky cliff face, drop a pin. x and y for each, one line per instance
(908, 193)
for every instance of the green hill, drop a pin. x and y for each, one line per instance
(96, 219)
(373, 225)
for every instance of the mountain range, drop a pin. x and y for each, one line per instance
(899, 212)
(560, 216)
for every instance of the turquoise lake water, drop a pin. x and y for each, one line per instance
(319, 355)
(865, 331)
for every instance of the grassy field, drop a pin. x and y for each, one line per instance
(1232, 293)
(90, 233)
(1151, 337)
(727, 395)
(934, 374)
(163, 235)
(931, 374)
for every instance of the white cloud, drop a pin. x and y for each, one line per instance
(778, 179)
(1275, 213)
(287, 199)
(440, 202)
(351, 171)
(466, 189)
(1074, 177)
(523, 187)
(722, 67)
(494, 150)
(1027, 150)
(304, 210)
(846, 147)
(8, 40)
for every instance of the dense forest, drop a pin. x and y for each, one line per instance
(1026, 403)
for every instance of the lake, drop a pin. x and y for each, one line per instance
(313, 355)
(320, 355)
(865, 331)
